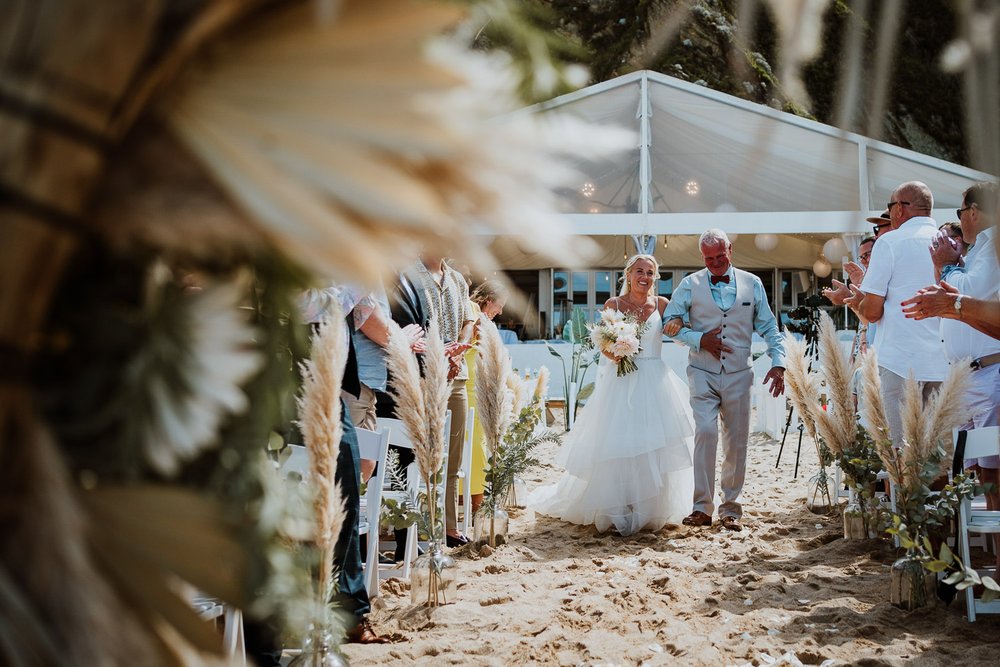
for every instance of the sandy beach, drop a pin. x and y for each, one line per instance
(786, 590)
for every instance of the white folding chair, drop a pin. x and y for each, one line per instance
(372, 445)
(210, 609)
(399, 437)
(979, 442)
(465, 472)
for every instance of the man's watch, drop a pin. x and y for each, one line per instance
(958, 304)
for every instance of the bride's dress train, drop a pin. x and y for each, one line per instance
(628, 456)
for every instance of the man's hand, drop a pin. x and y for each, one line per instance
(837, 293)
(855, 272)
(415, 335)
(711, 343)
(944, 251)
(854, 298)
(456, 349)
(454, 366)
(932, 301)
(776, 376)
(673, 326)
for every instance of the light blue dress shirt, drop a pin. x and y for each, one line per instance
(724, 295)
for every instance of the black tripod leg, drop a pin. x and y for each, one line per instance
(784, 434)
(798, 451)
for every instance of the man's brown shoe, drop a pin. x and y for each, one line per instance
(697, 519)
(363, 633)
(731, 523)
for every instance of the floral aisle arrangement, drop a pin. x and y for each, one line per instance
(495, 401)
(804, 391)
(922, 516)
(619, 334)
(514, 457)
(842, 438)
(422, 406)
(319, 420)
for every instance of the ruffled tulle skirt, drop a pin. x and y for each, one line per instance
(628, 457)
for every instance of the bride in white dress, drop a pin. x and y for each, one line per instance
(628, 456)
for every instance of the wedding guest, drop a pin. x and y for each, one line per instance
(444, 295)
(881, 223)
(977, 275)
(899, 266)
(939, 301)
(724, 306)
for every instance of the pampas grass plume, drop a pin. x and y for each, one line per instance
(319, 419)
(803, 389)
(493, 400)
(436, 389)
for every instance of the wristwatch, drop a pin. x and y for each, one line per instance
(958, 305)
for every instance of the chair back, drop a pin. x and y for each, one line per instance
(982, 442)
(374, 446)
(979, 442)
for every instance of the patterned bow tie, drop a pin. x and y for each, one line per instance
(720, 279)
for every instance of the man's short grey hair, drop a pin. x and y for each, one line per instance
(713, 237)
(917, 193)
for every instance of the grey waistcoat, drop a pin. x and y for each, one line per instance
(737, 322)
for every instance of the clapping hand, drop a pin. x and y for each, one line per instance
(933, 301)
(944, 250)
(455, 349)
(854, 298)
(855, 272)
(838, 293)
(712, 343)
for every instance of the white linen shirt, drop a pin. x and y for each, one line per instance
(900, 265)
(978, 279)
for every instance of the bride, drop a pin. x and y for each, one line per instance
(628, 456)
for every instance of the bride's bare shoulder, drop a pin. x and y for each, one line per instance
(661, 303)
(612, 303)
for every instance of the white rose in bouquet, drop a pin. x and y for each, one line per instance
(618, 335)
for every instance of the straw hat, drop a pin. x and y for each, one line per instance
(879, 220)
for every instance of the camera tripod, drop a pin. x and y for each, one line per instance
(812, 351)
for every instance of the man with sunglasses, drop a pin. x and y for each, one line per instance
(899, 266)
(880, 224)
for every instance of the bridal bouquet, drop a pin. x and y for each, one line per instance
(618, 334)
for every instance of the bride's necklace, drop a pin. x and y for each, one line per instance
(638, 308)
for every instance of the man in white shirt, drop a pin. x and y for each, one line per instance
(900, 265)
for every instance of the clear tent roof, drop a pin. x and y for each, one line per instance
(709, 159)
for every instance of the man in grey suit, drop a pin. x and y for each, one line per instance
(720, 307)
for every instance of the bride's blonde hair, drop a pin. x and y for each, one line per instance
(628, 265)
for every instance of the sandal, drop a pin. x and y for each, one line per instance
(697, 519)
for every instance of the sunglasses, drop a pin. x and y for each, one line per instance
(866, 255)
(875, 228)
(959, 211)
(893, 203)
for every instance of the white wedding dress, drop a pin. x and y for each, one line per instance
(628, 456)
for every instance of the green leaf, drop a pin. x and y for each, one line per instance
(954, 577)
(991, 584)
(935, 565)
(553, 351)
(585, 393)
(275, 442)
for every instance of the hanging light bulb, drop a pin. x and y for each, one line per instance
(664, 241)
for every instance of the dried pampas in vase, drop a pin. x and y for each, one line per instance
(319, 420)
(422, 406)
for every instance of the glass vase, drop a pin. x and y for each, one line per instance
(910, 585)
(818, 498)
(491, 530)
(517, 494)
(858, 524)
(433, 577)
(319, 650)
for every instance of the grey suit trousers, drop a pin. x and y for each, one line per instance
(715, 395)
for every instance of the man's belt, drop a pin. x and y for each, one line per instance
(983, 362)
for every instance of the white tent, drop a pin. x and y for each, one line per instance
(707, 159)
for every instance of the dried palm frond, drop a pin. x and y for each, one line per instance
(871, 395)
(436, 390)
(193, 375)
(349, 141)
(493, 399)
(803, 385)
(912, 420)
(319, 419)
(516, 389)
